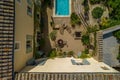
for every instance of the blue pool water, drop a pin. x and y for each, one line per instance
(62, 7)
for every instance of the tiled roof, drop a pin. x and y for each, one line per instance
(67, 76)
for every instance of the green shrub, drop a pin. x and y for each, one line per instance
(117, 34)
(84, 55)
(70, 53)
(106, 23)
(75, 19)
(85, 4)
(97, 12)
(85, 39)
(52, 53)
(92, 29)
(53, 35)
(86, 51)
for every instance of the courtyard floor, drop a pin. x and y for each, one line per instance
(72, 43)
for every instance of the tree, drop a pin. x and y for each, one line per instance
(97, 12)
(114, 9)
(75, 19)
(86, 39)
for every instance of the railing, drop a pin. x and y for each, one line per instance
(6, 39)
(67, 76)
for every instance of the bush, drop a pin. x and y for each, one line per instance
(53, 35)
(70, 53)
(86, 51)
(97, 12)
(85, 39)
(52, 53)
(117, 34)
(92, 29)
(106, 23)
(84, 55)
(75, 19)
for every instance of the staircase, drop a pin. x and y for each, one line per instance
(6, 39)
(67, 76)
(100, 45)
(78, 11)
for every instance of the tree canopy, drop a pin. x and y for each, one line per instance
(86, 39)
(114, 9)
(117, 34)
(97, 12)
(75, 19)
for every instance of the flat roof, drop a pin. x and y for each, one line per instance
(65, 65)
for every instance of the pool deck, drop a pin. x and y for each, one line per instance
(65, 65)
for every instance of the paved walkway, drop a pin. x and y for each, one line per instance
(65, 65)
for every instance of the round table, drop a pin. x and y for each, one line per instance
(60, 43)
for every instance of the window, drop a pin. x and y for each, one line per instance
(29, 11)
(29, 7)
(28, 43)
(17, 46)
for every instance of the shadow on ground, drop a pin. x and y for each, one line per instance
(44, 18)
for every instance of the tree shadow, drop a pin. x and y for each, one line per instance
(45, 30)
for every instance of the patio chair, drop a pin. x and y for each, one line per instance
(56, 27)
(61, 30)
(68, 29)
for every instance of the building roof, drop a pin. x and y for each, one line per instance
(67, 76)
(111, 29)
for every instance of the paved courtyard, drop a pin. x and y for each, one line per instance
(72, 43)
(66, 65)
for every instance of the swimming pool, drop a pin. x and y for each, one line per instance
(62, 7)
